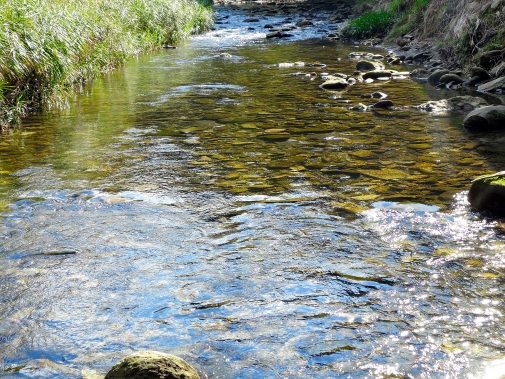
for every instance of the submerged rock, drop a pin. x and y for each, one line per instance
(152, 365)
(376, 95)
(485, 119)
(383, 104)
(487, 193)
(377, 74)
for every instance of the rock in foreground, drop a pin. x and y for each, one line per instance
(152, 365)
(488, 194)
(486, 119)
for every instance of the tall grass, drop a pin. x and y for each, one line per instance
(370, 24)
(48, 47)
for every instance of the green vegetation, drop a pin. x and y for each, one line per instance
(370, 24)
(48, 47)
(399, 17)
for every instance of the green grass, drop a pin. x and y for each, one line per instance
(50, 47)
(370, 24)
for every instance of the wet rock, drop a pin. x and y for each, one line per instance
(450, 78)
(434, 78)
(377, 75)
(252, 19)
(457, 103)
(152, 365)
(480, 72)
(364, 66)
(335, 84)
(485, 119)
(268, 26)
(495, 85)
(383, 104)
(487, 194)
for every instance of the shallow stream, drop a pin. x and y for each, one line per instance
(221, 208)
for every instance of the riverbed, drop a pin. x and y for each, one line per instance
(211, 203)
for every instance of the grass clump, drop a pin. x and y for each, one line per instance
(370, 24)
(47, 47)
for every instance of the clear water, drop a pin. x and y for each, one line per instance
(228, 211)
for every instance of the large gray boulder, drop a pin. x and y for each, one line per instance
(152, 365)
(485, 119)
(493, 85)
(487, 194)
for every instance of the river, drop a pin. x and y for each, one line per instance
(221, 208)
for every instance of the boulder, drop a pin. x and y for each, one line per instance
(152, 365)
(493, 85)
(335, 83)
(450, 78)
(434, 78)
(487, 194)
(485, 119)
(364, 66)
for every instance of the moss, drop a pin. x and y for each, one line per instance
(497, 179)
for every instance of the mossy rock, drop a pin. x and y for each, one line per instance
(486, 119)
(152, 365)
(487, 194)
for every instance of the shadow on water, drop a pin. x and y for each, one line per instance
(228, 210)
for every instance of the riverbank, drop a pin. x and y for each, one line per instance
(50, 48)
(459, 35)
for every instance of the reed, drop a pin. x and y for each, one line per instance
(48, 48)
